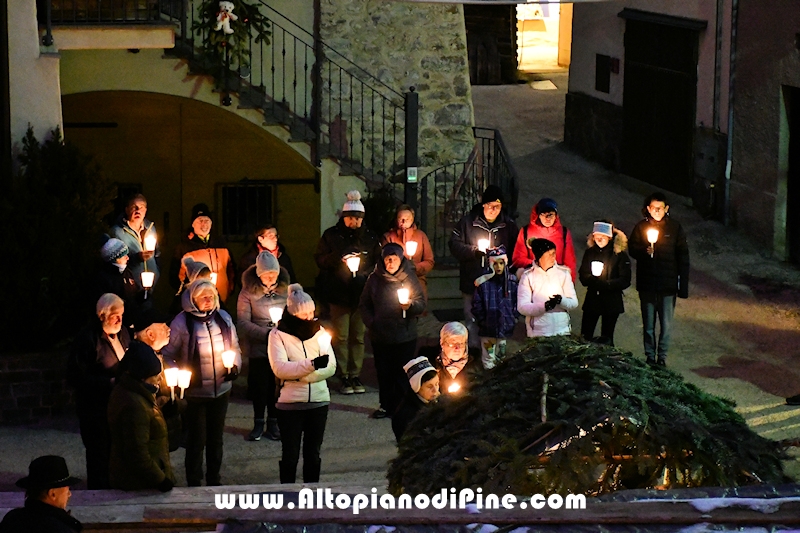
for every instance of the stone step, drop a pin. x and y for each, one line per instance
(443, 285)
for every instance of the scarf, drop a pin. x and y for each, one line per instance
(453, 367)
(297, 327)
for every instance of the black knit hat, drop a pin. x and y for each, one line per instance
(539, 247)
(392, 248)
(47, 472)
(148, 317)
(140, 361)
(200, 210)
(493, 193)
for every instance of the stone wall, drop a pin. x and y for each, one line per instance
(404, 45)
(32, 386)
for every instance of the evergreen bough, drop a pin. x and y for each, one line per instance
(607, 422)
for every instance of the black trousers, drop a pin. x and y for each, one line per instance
(308, 424)
(96, 437)
(392, 379)
(205, 422)
(607, 326)
(261, 387)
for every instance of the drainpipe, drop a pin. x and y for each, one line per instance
(718, 66)
(726, 214)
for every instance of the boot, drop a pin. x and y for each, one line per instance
(258, 429)
(311, 470)
(288, 472)
(272, 432)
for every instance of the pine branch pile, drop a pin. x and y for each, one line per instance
(563, 416)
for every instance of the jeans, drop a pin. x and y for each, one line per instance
(392, 379)
(348, 340)
(205, 421)
(474, 340)
(310, 425)
(589, 323)
(661, 306)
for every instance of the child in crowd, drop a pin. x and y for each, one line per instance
(495, 307)
(605, 272)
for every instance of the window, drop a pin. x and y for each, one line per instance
(245, 206)
(602, 73)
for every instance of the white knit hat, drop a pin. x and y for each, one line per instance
(266, 262)
(415, 369)
(353, 206)
(603, 228)
(298, 300)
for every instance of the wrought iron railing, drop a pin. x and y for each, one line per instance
(294, 79)
(451, 191)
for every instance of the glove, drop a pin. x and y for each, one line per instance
(233, 374)
(549, 305)
(166, 485)
(557, 298)
(321, 361)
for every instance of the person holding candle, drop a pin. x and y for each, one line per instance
(487, 221)
(454, 365)
(301, 356)
(264, 288)
(546, 293)
(92, 369)
(340, 287)
(545, 223)
(424, 389)
(415, 243)
(662, 273)
(605, 272)
(266, 240)
(495, 307)
(114, 276)
(199, 245)
(391, 318)
(139, 235)
(200, 335)
(139, 436)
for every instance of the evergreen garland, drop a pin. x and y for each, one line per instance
(564, 416)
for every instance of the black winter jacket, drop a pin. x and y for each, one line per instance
(335, 283)
(667, 272)
(464, 243)
(380, 307)
(410, 405)
(39, 517)
(604, 292)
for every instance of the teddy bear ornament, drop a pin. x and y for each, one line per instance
(225, 16)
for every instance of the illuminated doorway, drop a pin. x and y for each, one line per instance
(544, 36)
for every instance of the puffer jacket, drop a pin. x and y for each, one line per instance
(604, 292)
(196, 343)
(139, 438)
(292, 361)
(667, 272)
(335, 283)
(464, 243)
(565, 250)
(536, 287)
(380, 308)
(252, 311)
(122, 231)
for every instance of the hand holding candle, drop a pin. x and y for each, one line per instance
(171, 376)
(228, 357)
(483, 245)
(184, 380)
(453, 388)
(353, 262)
(652, 238)
(411, 248)
(214, 278)
(275, 314)
(597, 268)
(147, 282)
(150, 243)
(403, 296)
(324, 340)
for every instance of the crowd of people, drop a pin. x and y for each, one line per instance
(130, 367)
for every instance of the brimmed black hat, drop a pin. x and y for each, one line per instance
(47, 472)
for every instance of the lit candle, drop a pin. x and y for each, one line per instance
(275, 314)
(403, 296)
(184, 380)
(324, 340)
(150, 243)
(353, 262)
(597, 268)
(453, 388)
(214, 278)
(228, 357)
(483, 245)
(147, 281)
(652, 237)
(171, 375)
(411, 248)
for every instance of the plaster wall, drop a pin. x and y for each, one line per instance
(33, 76)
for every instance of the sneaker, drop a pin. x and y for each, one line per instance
(258, 429)
(380, 413)
(793, 400)
(358, 387)
(347, 386)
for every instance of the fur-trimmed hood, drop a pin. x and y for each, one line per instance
(252, 283)
(620, 241)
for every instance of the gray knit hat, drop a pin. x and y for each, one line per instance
(112, 250)
(266, 262)
(298, 300)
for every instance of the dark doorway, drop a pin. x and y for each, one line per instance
(491, 44)
(791, 96)
(659, 96)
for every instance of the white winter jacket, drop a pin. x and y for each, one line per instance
(292, 362)
(535, 288)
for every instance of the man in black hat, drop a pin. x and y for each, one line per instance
(487, 220)
(46, 496)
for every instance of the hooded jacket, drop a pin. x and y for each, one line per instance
(536, 287)
(565, 250)
(214, 254)
(122, 231)
(423, 258)
(604, 292)
(252, 311)
(495, 305)
(464, 243)
(248, 259)
(380, 307)
(139, 438)
(336, 284)
(197, 341)
(667, 272)
(291, 359)
(39, 517)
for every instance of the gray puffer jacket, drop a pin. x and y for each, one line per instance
(252, 311)
(196, 343)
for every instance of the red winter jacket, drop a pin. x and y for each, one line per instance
(565, 255)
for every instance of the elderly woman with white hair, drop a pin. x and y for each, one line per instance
(453, 363)
(199, 335)
(92, 370)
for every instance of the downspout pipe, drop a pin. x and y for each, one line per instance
(726, 213)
